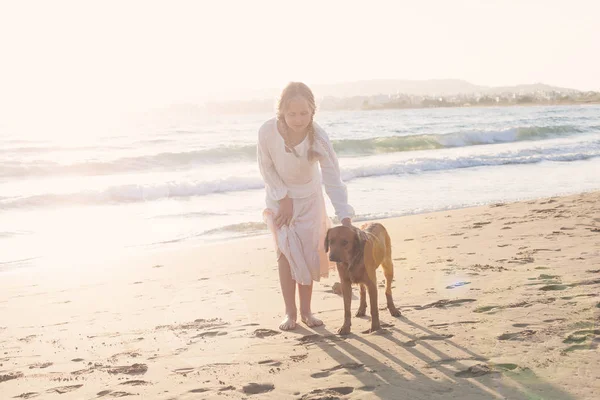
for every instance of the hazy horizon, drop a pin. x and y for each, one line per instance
(64, 58)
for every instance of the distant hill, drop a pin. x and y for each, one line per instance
(432, 87)
(352, 95)
(534, 87)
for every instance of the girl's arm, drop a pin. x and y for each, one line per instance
(274, 185)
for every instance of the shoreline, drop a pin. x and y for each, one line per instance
(199, 242)
(357, 222)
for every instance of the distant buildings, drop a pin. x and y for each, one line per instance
(403, 100)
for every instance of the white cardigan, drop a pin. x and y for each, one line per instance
(285, 174)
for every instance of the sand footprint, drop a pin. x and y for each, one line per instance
(28, 395)
(258, 388)
(299, 357)
(587, 282)
(272, 363)
(381, 331)
(554, 287)
(135, 382)
(40, 365)
(27, 339)
(484, 369)
(517, 335)
(200, 390)
(584, 340)
(113, 394)
(135, 369)
(127, 354)
(445, 361)
(209, 334)
(579, 295)
(444, 325)
(413, 343)
(183, 371)
(326, 372)
(328, 394)
(10, 376)
(554, 320)
(316, 338)
(485, 309)
(445, 303)
(590, 346)
(263, 333)
(64, 389)
(475, 371)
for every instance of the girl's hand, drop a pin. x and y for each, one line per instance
(286, 212)
(347, 222)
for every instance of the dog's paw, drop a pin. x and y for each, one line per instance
(373, 329)
(395, 312)
(344, 330)
(361, 312)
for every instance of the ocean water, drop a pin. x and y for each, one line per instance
(181, 179)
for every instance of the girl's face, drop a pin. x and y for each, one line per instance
(298, 114)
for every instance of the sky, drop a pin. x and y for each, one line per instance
(70, 57)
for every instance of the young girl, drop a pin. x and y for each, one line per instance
(290, 148)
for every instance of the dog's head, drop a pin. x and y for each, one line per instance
(344, 244)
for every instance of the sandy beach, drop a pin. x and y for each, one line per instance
(499, 301)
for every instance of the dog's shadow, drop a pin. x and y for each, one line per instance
(370, 362)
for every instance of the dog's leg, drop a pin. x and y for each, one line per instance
(375, 325)
(388, 272)
(347, 294)
(362, 308)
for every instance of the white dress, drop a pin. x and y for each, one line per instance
(302, 242)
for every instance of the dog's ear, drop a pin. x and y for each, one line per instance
(327, 241)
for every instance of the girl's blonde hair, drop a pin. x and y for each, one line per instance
(292, 90)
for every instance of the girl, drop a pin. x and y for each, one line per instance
(289, 147)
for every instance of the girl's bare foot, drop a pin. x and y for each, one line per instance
(288, 323)
(311, 321)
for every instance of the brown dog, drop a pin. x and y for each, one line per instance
(358, 253)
